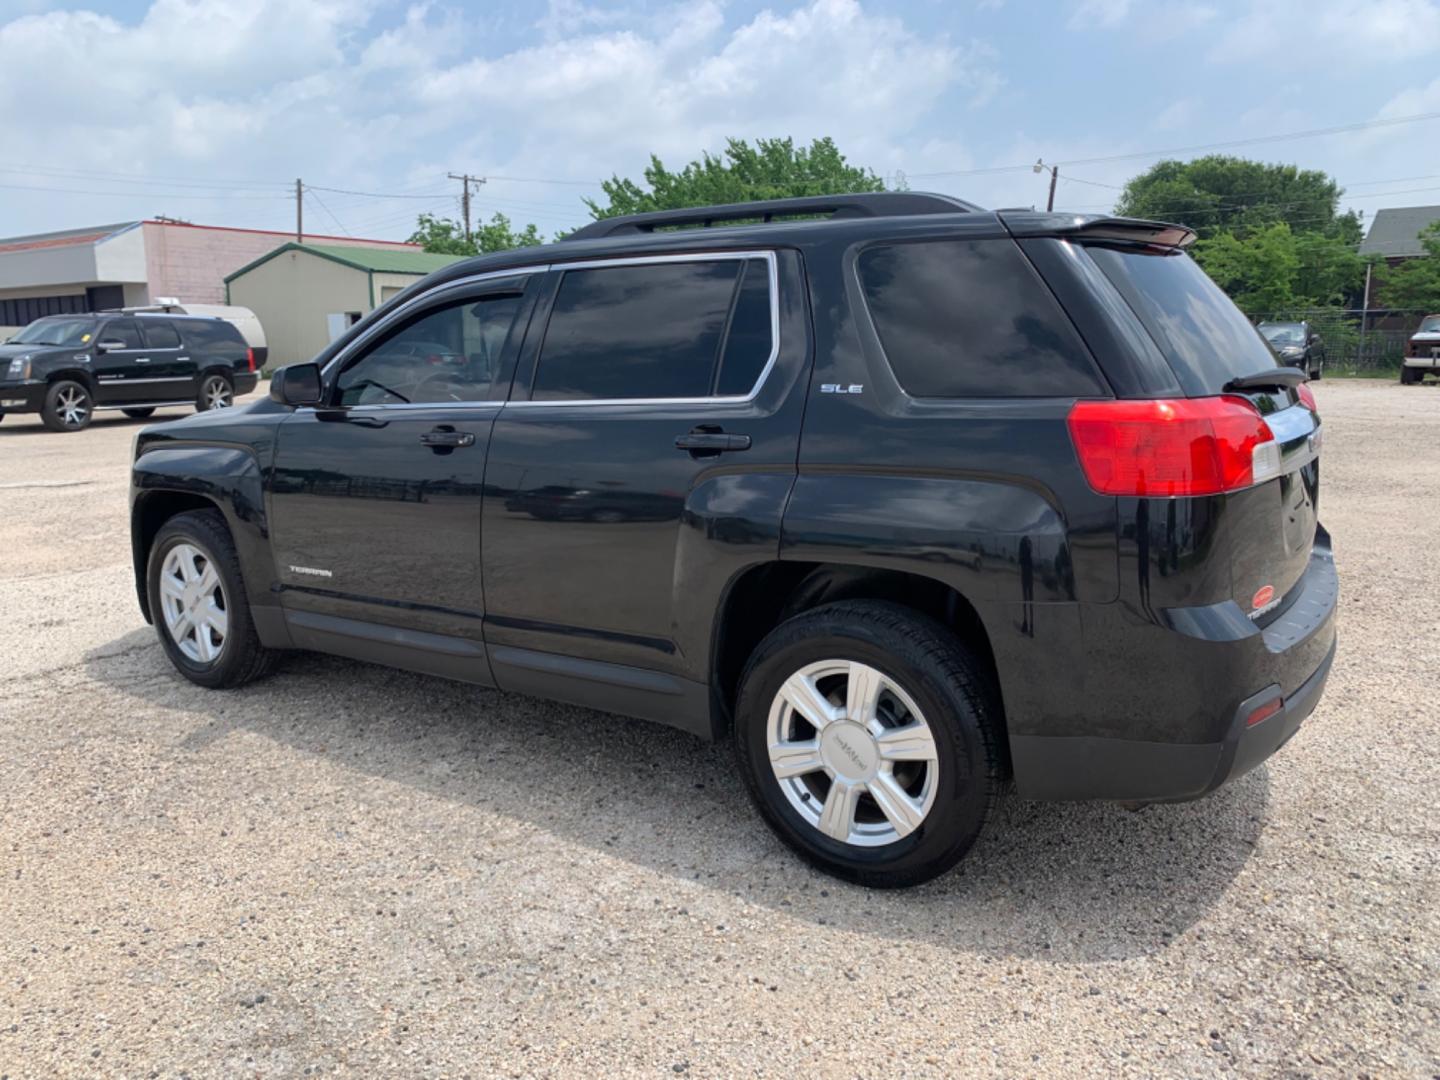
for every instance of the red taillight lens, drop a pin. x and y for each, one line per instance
(250, 358)
(1307, 397)
(1173, 446)
(1264, 712)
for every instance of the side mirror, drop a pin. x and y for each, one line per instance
(297, 384)
(111, 345)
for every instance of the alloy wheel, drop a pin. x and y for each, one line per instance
(73, 405)
(193, 603)
(852, 752)
(216, 393)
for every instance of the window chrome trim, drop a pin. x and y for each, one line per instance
(372, 332)
(772, 269)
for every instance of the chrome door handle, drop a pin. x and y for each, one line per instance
(142, 359)
(447, 439)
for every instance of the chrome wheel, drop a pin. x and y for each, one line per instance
(216, 393)
(193, 603)
(73, 405)
(852, 752)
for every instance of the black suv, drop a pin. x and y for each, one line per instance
(1297, 345)
(68, 367)
(905, 497)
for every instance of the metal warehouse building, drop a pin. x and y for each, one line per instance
(306, 294)
(130, 263)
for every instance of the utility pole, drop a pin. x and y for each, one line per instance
(299, 211)
(1054, 171)
(466, 180)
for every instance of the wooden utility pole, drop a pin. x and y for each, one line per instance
(466, 180)
(1054, 171)
(299, 211)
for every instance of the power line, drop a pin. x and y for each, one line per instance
(331, 215)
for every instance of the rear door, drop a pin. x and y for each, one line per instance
(169, 359)
(1208, 343)
(646, 456)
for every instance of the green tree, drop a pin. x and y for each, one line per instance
(771, 169)
(1415, 283)
(446, 237)
(1258, 272)
(1219, 193)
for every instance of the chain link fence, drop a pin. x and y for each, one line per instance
(1355, 340)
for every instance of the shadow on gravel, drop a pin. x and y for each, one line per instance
(1070, 882)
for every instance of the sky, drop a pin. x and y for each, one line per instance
(208, 111)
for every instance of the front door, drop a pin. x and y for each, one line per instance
(651, 460)
(375, 497)
(123, 366)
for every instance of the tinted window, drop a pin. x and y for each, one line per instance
(971, 318)
(211, 334)
(161, 335)
(56, 332)
(638, 332)
(123, 330)
(451, 353)
(748, 342)
(1200, 331)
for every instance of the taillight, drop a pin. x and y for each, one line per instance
(1307, 397)
(250, 358)
(1173, 446)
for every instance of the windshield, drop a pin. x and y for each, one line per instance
(1202, 333)
(1284, 334)
(1429, 325)
(56, 332)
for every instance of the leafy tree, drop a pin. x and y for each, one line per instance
(1331, 272)
(1218, 193)
(1415, 283)
(1257, 272)
(446, 237)
(771, 169)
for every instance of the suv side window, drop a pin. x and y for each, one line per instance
(126, 330)
(450, 353)
(972, 319)
(161, 335)
(679, 329)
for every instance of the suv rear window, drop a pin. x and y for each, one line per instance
(210, 333)
(1201, 332)
(972, 319)
(663, 330)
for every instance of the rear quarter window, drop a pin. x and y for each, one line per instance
(216, 335)
(1203, 335)
(972, 319)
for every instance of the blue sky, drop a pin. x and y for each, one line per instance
(206, 110)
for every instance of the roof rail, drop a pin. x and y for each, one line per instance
(874, 204)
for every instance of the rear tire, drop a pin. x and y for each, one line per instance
(933, 736)
(186, 603)
(1408, 376)
(137, 414)
(216, 392)
(68, 406)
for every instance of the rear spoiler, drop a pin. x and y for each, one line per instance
(1096, 227)
(1269, 379)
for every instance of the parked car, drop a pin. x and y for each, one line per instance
(1423, 353)
(905, 499)
(69, 367)
(242, 318)
(1297, 344)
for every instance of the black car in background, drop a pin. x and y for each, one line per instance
(1297, 345)
(68, 367)
(903, 497)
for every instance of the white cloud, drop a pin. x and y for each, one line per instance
(1176, 115)
(1348, 32)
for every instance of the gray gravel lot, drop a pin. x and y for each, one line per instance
(350, 870)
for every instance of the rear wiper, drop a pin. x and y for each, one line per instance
(1269, 379)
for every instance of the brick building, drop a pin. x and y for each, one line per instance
(132, 263)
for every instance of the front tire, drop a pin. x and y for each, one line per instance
(198, 602)
(216, 392)
(68, 406)
(869, 737)
(1410, 376)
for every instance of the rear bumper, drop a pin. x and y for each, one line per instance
(1289, 661)
(245, 381)
(21, 397)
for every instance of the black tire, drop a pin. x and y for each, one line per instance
(1407, 376)
(952, 690)
(242, 658)
(57, 415)
(137, 414)
(209, 379)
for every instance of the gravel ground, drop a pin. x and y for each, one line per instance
(349, 870)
